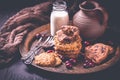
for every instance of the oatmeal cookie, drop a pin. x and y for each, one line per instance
(58, 60)
(98, 52)
(68, 41)
(44, 59)
(47, 59)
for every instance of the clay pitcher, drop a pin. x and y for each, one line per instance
(91, 20)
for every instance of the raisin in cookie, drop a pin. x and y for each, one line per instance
(98, 52)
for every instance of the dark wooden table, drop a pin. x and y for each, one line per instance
(17, 70)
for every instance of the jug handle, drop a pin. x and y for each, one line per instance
(104, 15)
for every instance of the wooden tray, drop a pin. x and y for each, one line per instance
(78, 69)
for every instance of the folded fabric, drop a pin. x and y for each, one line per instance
(15, 28)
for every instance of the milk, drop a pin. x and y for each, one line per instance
(58, 18)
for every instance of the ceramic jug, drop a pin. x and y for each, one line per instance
(91, 19)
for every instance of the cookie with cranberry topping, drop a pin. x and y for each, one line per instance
(98, 52)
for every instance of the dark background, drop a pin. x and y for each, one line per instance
(112, 7)
(16, 70)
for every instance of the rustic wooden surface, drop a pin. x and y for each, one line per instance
(78, 69)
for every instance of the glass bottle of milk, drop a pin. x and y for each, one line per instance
(59, 16)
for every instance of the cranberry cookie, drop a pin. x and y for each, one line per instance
(98, 52)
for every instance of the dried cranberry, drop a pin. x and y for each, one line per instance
(85, 65)
(68, 65)
(91, 64)
(49, 51)
(73, 61)
(38, 36)
(88, 63)
(67, 62)
(86, 43)
(63, 58)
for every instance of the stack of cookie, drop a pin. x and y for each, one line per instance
(68, 42)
